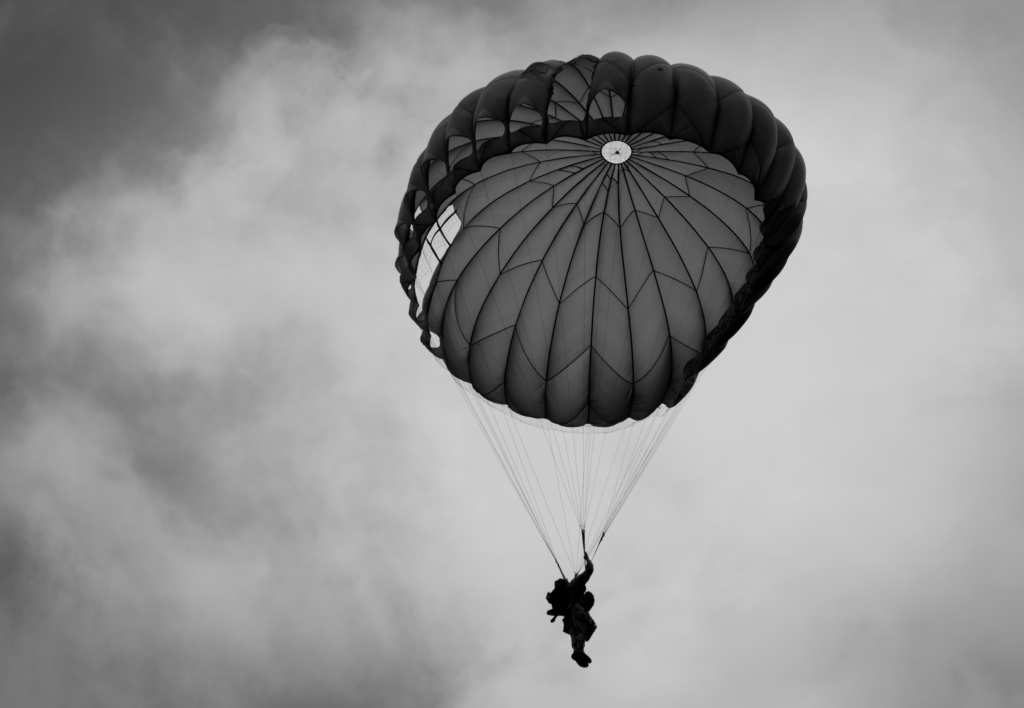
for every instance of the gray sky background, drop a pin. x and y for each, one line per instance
(230, 475)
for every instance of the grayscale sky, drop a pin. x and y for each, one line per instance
(230, 475)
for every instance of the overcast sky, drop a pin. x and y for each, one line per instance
(231, 476)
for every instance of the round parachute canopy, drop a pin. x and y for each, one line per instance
(580, 239)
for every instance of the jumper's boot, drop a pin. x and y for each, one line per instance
(577, 652)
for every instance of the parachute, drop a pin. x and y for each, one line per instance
(578, 241)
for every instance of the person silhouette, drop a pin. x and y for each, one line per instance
(572, 601)
(580, 627)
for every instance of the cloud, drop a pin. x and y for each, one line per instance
(232, 477)
(192, 497)
(89, 81)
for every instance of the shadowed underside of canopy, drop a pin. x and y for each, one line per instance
(584, 277)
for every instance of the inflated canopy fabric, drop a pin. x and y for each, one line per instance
(580, 239)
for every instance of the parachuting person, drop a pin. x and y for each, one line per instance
(578, 623)
(580, 240)
(573, 602)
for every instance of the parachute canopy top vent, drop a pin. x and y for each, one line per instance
(616, 152)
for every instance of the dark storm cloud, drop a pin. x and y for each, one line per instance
(22, 585)
(82, 78)
(89, 83)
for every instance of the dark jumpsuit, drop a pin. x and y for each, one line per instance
(578, 623)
